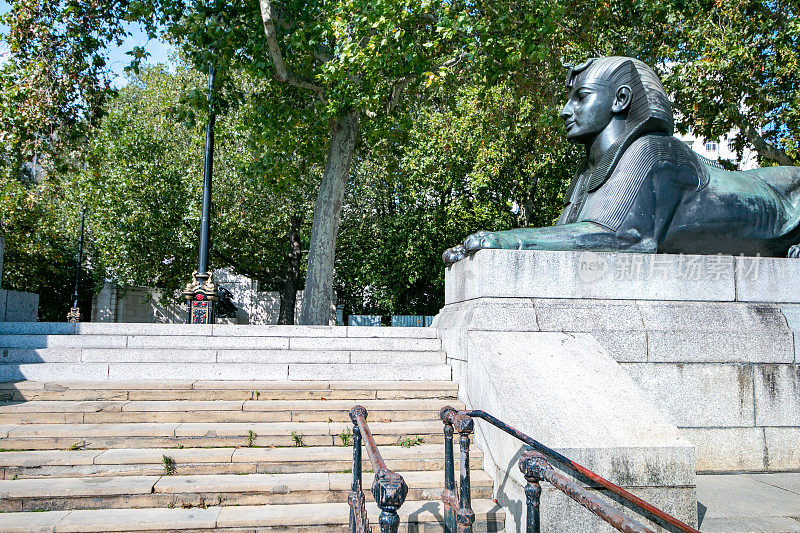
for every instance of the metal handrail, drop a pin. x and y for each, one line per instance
(388, 487)
(535, 466)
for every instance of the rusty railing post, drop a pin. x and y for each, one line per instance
(449, 494)
(389, 490)
(358, 509)
(464, 424)
(531, 469)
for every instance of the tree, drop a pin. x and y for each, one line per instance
(145, 172)
(53, 87)
(736, 64)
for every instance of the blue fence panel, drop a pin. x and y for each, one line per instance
(364, 320)
(411, 321)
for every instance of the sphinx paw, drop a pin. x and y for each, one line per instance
(794, 252)
(482, 240)
(454, 254)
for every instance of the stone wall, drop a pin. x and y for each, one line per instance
(146, 305)
(16, 306)
(711, 340)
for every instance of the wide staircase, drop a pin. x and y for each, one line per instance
(119, 428)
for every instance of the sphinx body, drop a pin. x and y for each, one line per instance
(642, 190)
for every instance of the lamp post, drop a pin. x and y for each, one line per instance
(74, 314)
(200, 293)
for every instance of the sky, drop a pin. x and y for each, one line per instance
(160, 52)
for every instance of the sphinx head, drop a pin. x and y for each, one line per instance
(608, 89)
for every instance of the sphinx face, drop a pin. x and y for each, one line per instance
(587, 112)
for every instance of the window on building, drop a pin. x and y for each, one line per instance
(712, 147)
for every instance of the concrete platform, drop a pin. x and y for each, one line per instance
(749, 503)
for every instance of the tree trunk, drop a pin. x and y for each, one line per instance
(318, 294)
(289, 289)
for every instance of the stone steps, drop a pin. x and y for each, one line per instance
(416, 516)
(205, 390)
(204, 490)
(205, 434)
(93, 412)
(124, 352)
(149, 461)
(199, 455)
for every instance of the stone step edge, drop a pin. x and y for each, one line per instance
(165, 485)
(211, 385)
(216, 330)
(116, 456)
(422, 405)
(223, 371)
(234, 517)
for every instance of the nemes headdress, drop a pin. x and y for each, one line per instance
(650, 110)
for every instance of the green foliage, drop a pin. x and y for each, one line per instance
(145, 176)
(409, 442)
(477, 159)
(346, 436)
(169, 465)
(736, 64)
(53, 87)
(298, 439)
(40, 224)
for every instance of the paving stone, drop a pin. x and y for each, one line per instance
(165, 405)
(209, 342)
(337, 513)
(390, 357)
(6, 428)
(53, 371)
(395, 332)
(130, 329)
(728, 496)
(62, 341)
(71, 487)
(235, 330)
(37, 328)
(777, 395)
(242, 429)
(368, 372)
(106, 520)
(125, 371)
(129, 355)
(60, 406)
(156, 455)
(268, 483)
(789, 481)
(31, 522)
(750, 525)
(49, 457)
(94, 430)
(364, 343)
(40, 355)
(283, 356)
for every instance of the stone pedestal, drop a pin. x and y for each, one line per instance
(597, 353)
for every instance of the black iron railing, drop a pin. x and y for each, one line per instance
(536, 466)
(388, 488)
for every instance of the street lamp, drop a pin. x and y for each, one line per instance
(200, 293)
(74, 314)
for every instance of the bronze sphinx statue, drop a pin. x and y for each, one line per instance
(639, 189)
